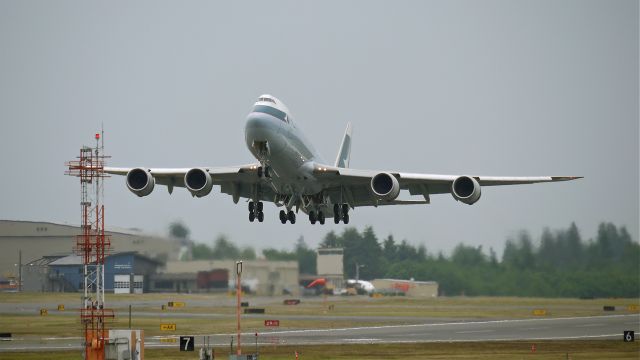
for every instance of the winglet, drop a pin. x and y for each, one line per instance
(344, 154)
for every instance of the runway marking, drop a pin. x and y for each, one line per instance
(474, 331)
(382, 327)
(537, 328)
(590, 325)
(361, 340)
(158, 345)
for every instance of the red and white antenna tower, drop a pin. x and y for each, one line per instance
(92, 246)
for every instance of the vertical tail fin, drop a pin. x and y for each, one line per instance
(344, 154)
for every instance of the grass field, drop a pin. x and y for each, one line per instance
(19, 315)
(394, 310)
(598, 349)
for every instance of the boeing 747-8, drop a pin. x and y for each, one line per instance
(291, 174)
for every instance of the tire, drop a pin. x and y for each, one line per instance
(251, 204)
(252, 216)
(312, 217)
(321, 217)
(260, 216)
(291, 216)
(260, 206)
(336, 218)
(345, 209)
(283, 216)
(336, 209)
(345, 218)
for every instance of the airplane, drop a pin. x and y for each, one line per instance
(290, 173)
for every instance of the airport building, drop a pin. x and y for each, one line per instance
(125, 273)
(260, 277)
(330, 266)
(408, 288)
(36, 240)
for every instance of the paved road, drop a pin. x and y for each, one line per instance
(593, 327)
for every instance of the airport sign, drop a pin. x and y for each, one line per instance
(628, 336)
(176, 304)
(272, 323)
(167, 327)
(186, 343)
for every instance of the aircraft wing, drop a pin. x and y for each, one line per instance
(237, 181)
(354, 186)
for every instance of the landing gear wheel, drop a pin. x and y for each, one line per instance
(345, 209)
(291, 216)
(336, 218)
(260, 216)
(321, 217)
(312, 217)
(251, 206)
(283, 216)
(260, 206)
(252, 216)
(345, 218)
(336, 209)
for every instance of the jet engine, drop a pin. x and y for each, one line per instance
(198, 182)
(385, 186)
(140, 181)
(466, 189)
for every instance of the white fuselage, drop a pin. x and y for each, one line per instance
(276, 142)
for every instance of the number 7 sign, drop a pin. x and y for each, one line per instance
(186, 343)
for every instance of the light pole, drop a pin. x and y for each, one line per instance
(238, 293)
(358, 266)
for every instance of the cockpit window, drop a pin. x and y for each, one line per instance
(267, 99)
(271, 111)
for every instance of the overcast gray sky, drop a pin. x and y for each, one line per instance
(455, 87)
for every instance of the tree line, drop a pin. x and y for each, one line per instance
(558, 264)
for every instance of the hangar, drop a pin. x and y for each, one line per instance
(36, 240)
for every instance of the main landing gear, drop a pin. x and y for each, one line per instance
(290, 216)
(313, 217)
(255, 211)
(341, 212)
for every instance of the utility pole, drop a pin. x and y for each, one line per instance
(20, 270)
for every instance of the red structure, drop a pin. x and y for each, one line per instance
(92, 245)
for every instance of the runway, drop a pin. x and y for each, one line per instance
(566, 328)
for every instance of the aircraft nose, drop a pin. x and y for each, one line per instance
(257, 125)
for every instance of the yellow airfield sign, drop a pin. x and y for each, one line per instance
(167, 327)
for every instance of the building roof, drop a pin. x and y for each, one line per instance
(74, 259)
(195, 266)
(15, 228)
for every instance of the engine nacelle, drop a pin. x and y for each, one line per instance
(385, 186)
(466, 189)
(140, 181)
(198, 182)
